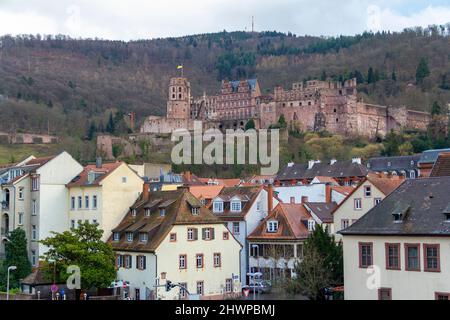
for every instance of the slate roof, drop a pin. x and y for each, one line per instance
(177, 212)
(322, 210)
(423, 203)
(340, 169)
(292, 224)
(430, 156)
(442, 166)
(383, 164)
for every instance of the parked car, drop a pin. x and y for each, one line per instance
(259, 287)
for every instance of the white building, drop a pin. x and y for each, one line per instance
(400, 249)
(242, 209)
(171, 236)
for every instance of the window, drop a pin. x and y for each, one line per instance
(412, 254)
(130, 236)
(236, 229)
(119, 261)
(192, 234)
(72, 203)
(141, 262)
(311, 225)
(432, 258)
(358, 204)
(199, 260)
(20, 218)
(33, 207)
(384, 294)
(116, 236)
(200, 287)
(182, 261)
(94, 221)
(259, 206)
(86, 202)
(377, 201)
(226, 235)
(217, 260)
(33, 258)
(272, 226)
(365, 255)
(133, 212)
(367, 191)
(94, 202)
(228, 285)
(412, 174)
(72, 224)
(33, 232)
(21, 193)
(173, 237)
(218, 206)
(236, 206)
(162, 212)
(203, 202)
(442, 296)
(392, 256)
(183, 288)
(35, 184)
(128, 262)
(147, 212)
(143, 237)
(195, 211)
(124, 179)
(208, 234)
(80, 202)
(292, 200)
(345, 224)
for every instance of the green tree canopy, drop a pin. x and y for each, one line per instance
(84, 248)
(16, 255)
(250, 125)
(436, 109)
(282, 122)
(422, 71)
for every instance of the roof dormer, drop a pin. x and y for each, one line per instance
(272, 226)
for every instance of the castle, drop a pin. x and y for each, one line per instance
(309, 106)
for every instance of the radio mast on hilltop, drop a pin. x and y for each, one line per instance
(253, 24)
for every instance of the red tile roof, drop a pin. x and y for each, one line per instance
(205, 192)
(442, 166)
(385, 184)
(103, 172)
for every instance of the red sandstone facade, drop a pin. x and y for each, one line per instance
(310, 106)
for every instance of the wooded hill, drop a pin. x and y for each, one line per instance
(76, 84)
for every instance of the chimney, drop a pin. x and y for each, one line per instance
(311, 164)
(304, 199)
(328, 193)
(146, 191)
(270, 199)
(290, 164)
(98, 162)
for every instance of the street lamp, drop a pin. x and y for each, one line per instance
(11, 268)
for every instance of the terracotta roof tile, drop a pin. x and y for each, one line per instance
(100, 174)
(205, 192)
(385, 184)
(442, 166)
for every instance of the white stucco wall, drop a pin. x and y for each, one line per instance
(314, 192)
(405, 285)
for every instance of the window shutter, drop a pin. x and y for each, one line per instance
(144, 258)
(137, 262)
(195, 234)
(131, 262)
(204, 233)
(212, 233)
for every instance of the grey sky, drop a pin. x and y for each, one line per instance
(139, 19)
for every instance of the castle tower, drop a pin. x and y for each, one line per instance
(179, 102)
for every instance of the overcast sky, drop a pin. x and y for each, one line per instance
(143, 19)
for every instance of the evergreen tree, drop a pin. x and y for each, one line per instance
(110, 126)
(436, 109)
(16, 255)
(282, 122)
(250, 125)
(394, 75)
(422, 71)
(91, 130)
(323, 76)
(370, 76)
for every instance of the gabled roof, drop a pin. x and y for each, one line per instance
(101, 174)
(442, 166)
(345, 190)
(39, 161)
(177, 212)
(329, 180)
(423, 203)
(340, 169)
(247, 194)
(292, 224)
(205, 192)
(385, 184)
(322, 210)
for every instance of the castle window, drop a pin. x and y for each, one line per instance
(335, 110)
(337, 120)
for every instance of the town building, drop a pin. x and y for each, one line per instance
(405, 240)
(101, 194)
(322, 214)
(35, 199)
(276, 244)
(170, 236)
(242, 209)
(346, 173)
(368, 194)
(406, 166)
(428, 159)
(310, 106)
